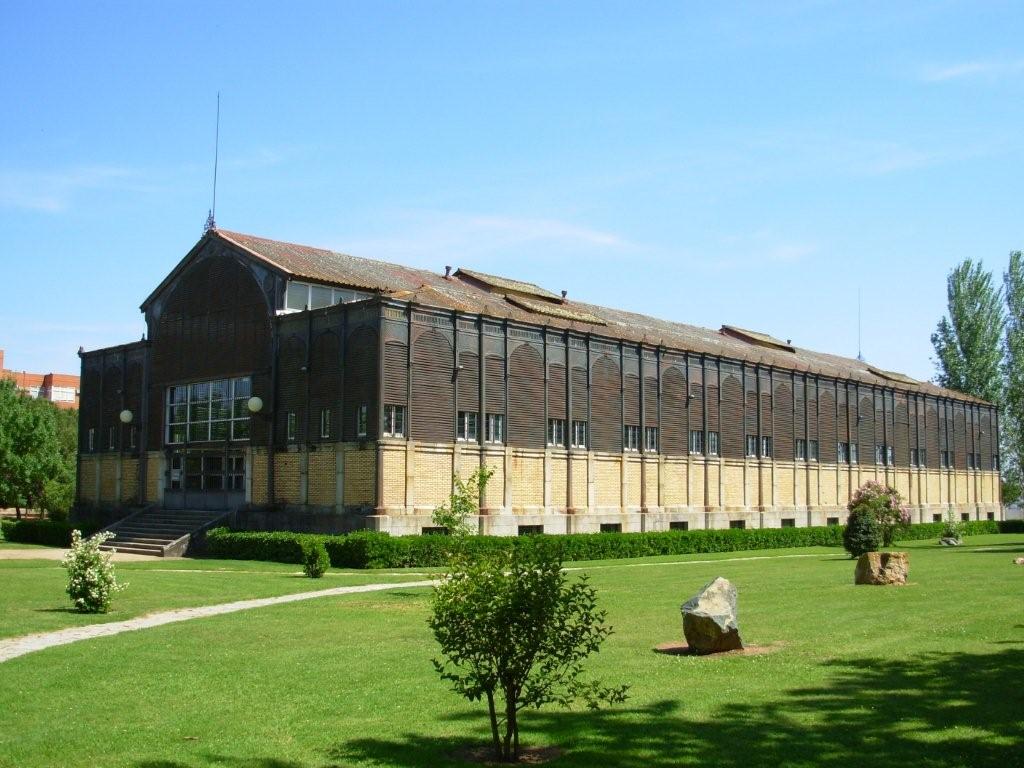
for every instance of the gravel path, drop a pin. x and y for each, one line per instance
(56, 553)
(19, 646)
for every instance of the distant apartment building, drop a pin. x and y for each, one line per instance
(61, 389)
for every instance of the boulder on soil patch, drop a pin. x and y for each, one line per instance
(882, 568)
(709, 619)
(950, 541)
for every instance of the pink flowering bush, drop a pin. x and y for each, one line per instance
(886, 504)
(91, 580)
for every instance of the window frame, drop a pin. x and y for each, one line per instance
(631, 438)
(800, 447)
(712, 443)
(494, 428)
(291, 426)
(767, 447)
(751, 448)
(362, 421)
(696, 442)
(325, 423)
(464, 420)
(556, 433)
(393, 424)
(580, 428)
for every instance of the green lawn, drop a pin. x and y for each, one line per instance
(924, 675)
(32, 597)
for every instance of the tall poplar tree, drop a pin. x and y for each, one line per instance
(1012, 424)
(968, 342)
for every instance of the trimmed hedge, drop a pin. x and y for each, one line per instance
(369, 549)
(51, 533)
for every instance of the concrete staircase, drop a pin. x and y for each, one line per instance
(159, 532)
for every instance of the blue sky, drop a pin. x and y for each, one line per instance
(751, 164)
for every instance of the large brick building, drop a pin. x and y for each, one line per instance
(61, 389)
(312, 389)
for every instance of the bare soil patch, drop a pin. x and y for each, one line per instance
(527, 755)
(682, 649)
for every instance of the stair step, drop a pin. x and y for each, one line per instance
(170, 530)
(135, 549)
(140, 540)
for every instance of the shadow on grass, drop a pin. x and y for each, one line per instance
(932, 710)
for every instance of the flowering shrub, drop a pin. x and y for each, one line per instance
(886, 504)
(91, 580)
(951, 527)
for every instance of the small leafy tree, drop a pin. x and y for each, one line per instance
(463, 503)
(514, 631)
(886, 504)
(952, 527)
(92, 583)
(862, 533)
(315, 560)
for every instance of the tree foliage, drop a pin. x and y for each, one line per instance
(37, 452)
(514, 631)
(885, 506)
(463, 503)
(968, 341)
(1012, 425)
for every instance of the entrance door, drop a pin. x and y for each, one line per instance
(200, 478)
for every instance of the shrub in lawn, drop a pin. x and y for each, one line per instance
(886, 504)
(863, 533)
(952, 528)
(92, 583)
(315, 560)
(463, 503)
(514, 630)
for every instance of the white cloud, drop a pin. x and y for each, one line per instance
(981, 68)
(429, 235)
(53, 191)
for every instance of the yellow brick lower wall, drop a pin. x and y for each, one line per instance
(322, 474)
(258, 466)
(129, 481)
(361, 475)
(286, 478)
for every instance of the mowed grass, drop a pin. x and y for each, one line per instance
(32, 596)
(924, 675)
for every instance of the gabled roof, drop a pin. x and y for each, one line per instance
(478, 293)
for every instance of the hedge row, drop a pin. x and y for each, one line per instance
(52, 533)
(369, 549)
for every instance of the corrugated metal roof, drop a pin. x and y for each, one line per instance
(466, 295)
(508, 284)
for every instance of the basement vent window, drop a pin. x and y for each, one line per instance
(679, 525)
(530, 530)
(965, 517)
(936, 518)
(832, 521)
(789, 522)
(738, 524)
(611, 527)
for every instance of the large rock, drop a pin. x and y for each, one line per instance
(951, 541)
(882, 568)
(709, 619)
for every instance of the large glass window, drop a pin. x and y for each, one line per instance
(467, 427)
(208, 411)
(302, 296)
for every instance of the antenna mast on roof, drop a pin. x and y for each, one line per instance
(860, 354)
(211, 217)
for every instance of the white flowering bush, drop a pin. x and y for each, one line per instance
(92, 583)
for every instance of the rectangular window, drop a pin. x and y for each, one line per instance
(579, 434)
(556, 433)
(944, 459)
(991, 516)
(696, 441)
(854, 453)
(468, 427)
(936, 518)
(922, 456)
(92, 439)
(977, 461)
(801, 449)
(362, 420)
(879, 454)
(434, 530)
(131, 436)
(631, 438)
(325, 422)
(738, 524)
(712, 443)
(651, 439)
(766, 447)
(970, 461)
(832, 521)
(789, 522)
(111, 437)
(292, 424)
(611, 527)
(843, 453)
(208, 411)
(995, 463)
(913, 457)
(812, 450)
(530, 530)
(394, 421)
(494, 428)
(890, 456)
(965, 517)
(679, 525)
(752, 446)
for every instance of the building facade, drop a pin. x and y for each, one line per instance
(61, 389)
(314, 390)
